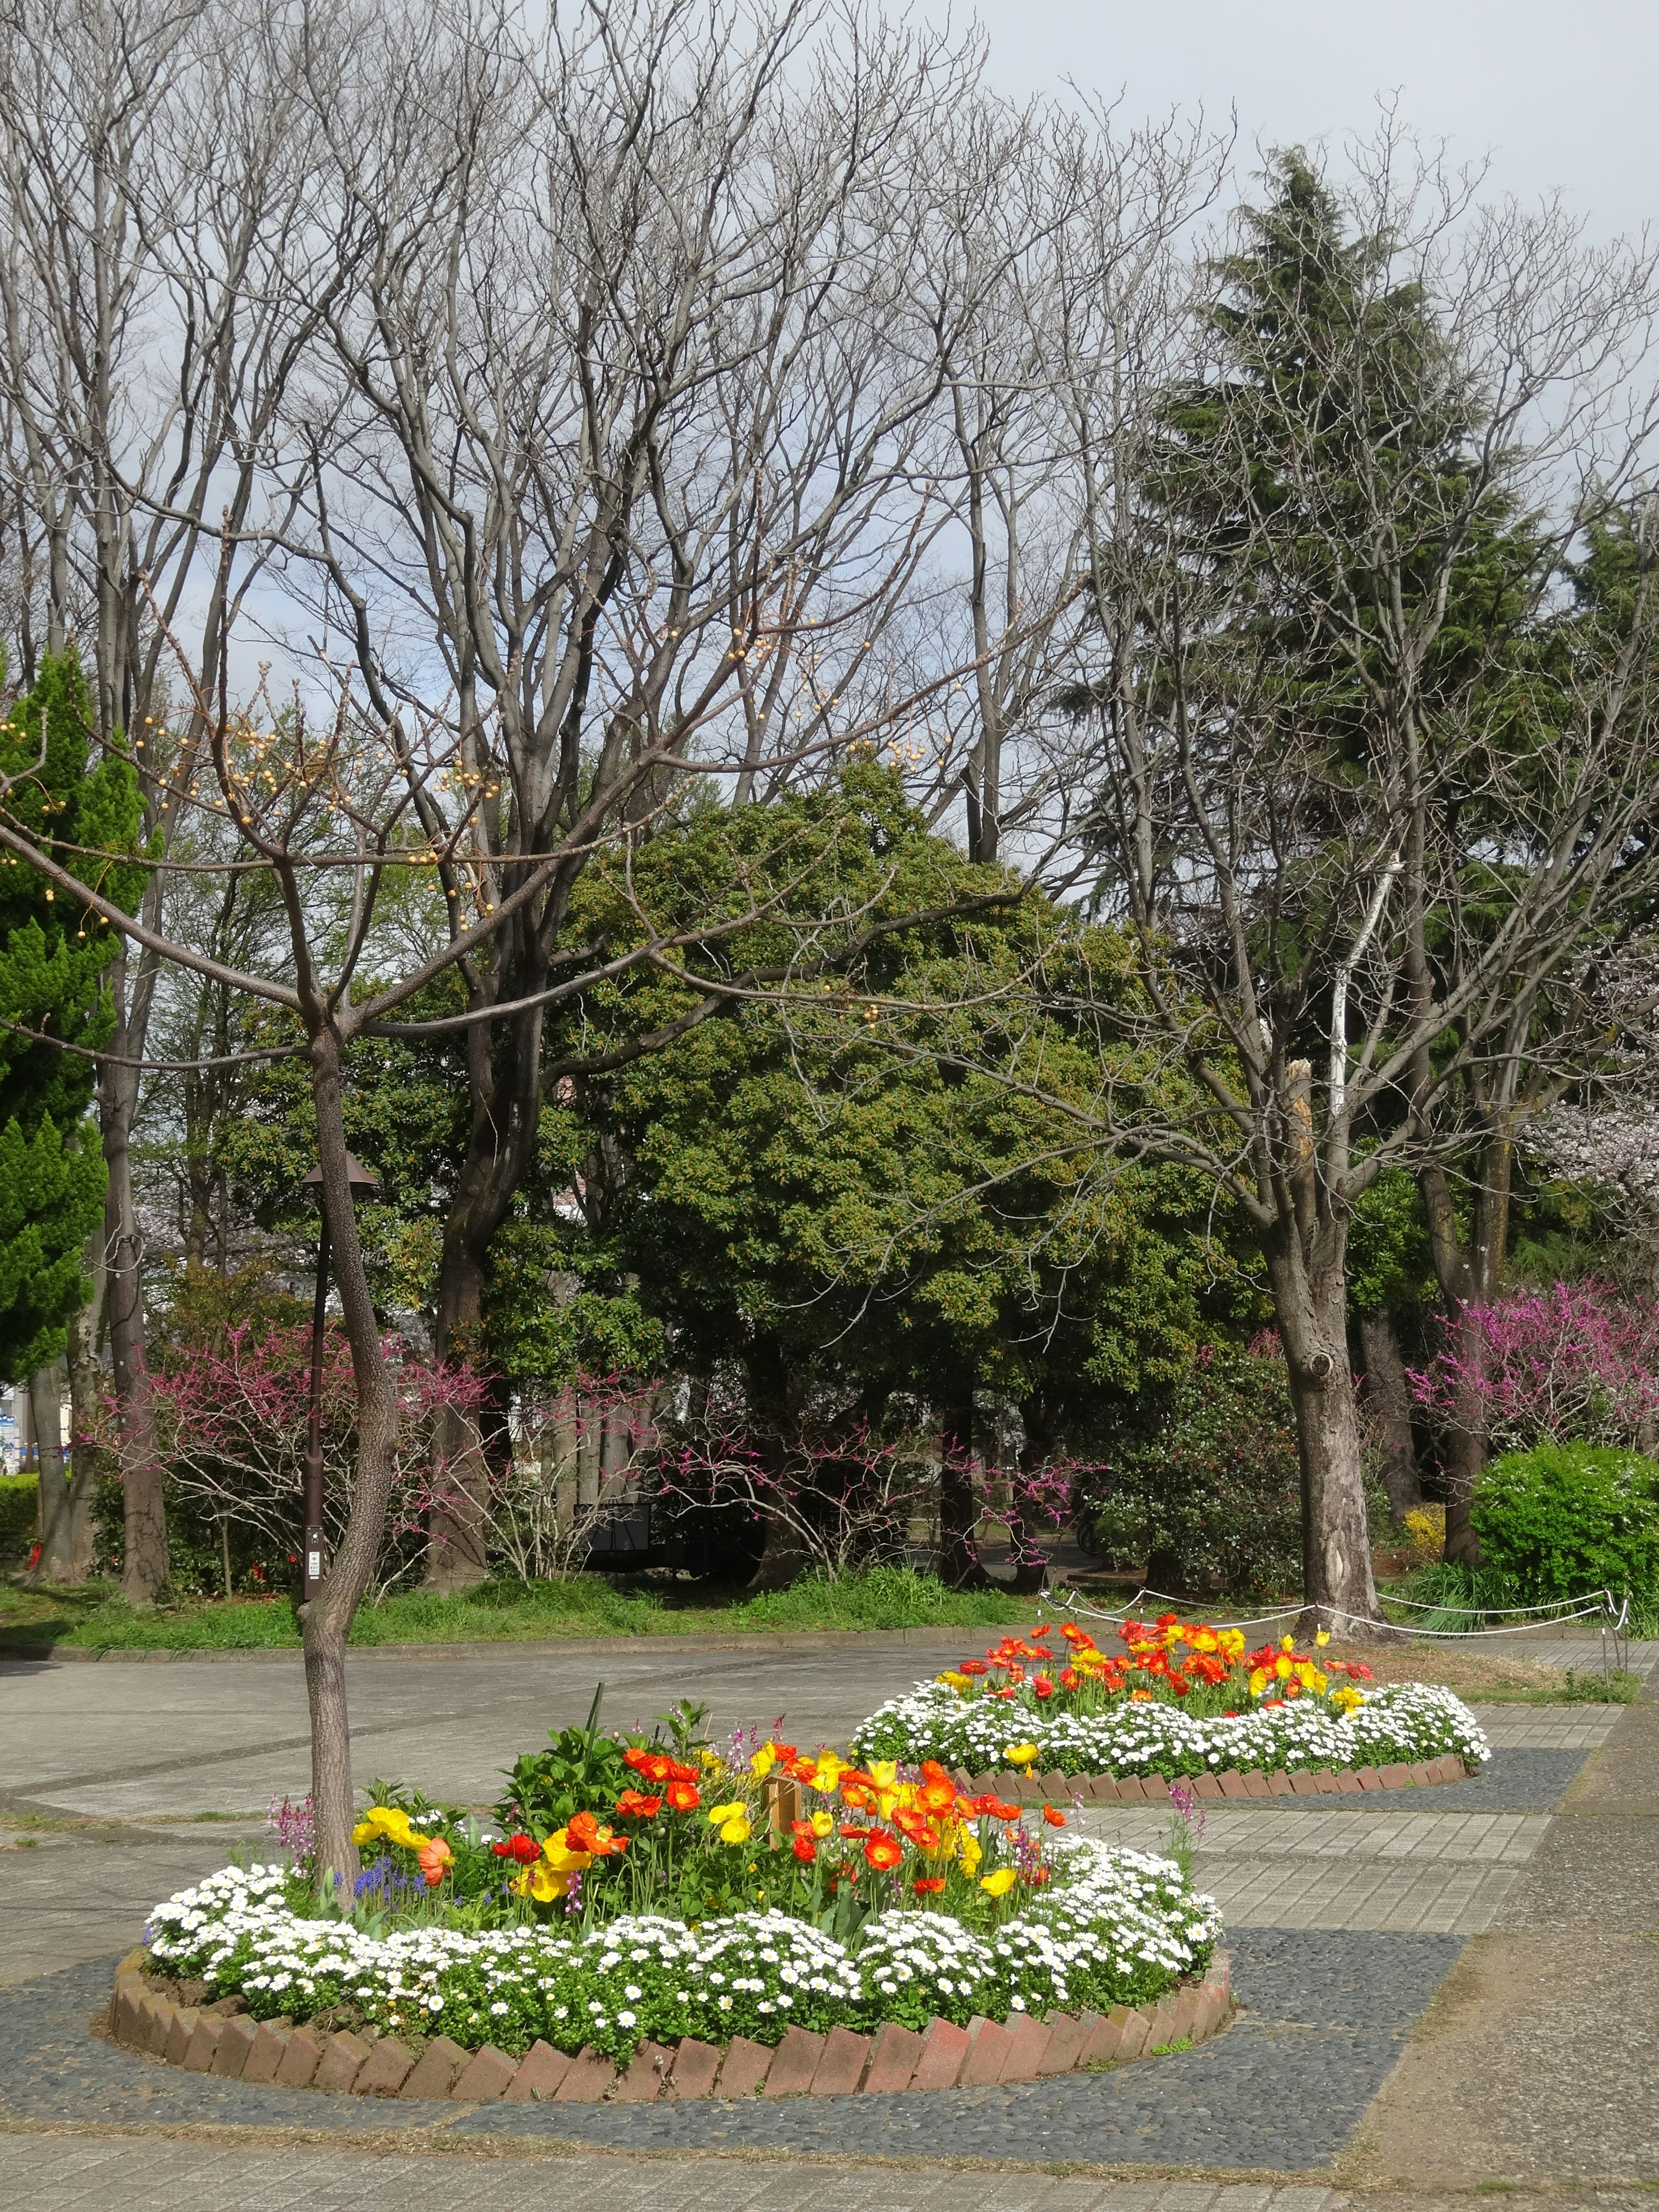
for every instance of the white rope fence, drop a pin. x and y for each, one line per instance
(1613, 1612)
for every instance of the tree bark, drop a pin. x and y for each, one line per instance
(325, 1622)
(144, 1563)
(57, 1503)
(1309, 1279)
(458, 1531)
(1390, 1398)
(958, 1564)
(784, 1552)
(1469, 1274)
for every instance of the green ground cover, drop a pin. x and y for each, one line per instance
(95, 1616)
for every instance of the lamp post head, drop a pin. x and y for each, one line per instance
(362, 1183)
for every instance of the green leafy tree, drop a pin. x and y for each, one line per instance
(814, 1189)
(54, 959)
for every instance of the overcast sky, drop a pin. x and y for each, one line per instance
(1560, 95)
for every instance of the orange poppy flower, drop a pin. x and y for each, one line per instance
(805, 1848)
(936, 1797)
(883, 1852)
(1053, 1816)
(638, 1806)
(585, 1833)
(653, 1765)
(683, 1796)
(928, 1885)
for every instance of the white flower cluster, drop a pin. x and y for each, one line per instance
(1115, 1927)
(1401, 1721)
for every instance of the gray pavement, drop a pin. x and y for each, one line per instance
(1348, 1917)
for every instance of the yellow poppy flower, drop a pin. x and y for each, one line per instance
(952, 1680)
(738, 1829)
(719, 1815)
(1021, 1754)
(763, 1760)
(999, 1883)
(970, 1854)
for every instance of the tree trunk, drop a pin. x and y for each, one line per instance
(1469, 1276)
(784, 1554)
(144, 1564)
(958, 1562)
(325, 1622)
(1390, 1398)
(458, 1531)
(1310, 1285)
(57, 1514)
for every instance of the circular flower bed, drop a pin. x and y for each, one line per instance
(1182, 1699)
(628, 1891)
(1112, 1927)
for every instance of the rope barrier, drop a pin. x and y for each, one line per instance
(1600, 1603)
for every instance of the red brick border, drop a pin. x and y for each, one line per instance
(221, 2039)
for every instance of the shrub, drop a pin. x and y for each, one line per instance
(1212, 1493)
(19, 1511)
(1563, 1520)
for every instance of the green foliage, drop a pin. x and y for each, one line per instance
(1563, 1520)
(52, 961)
(581, 1771)
(51, 1196)
(19, 1513)
(1211, 1492)
(1389, 1261)
(841, 1191)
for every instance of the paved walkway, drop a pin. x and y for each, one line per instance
(1440, 1993)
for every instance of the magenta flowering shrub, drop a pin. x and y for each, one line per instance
(231, 1417)
(1576, 1363)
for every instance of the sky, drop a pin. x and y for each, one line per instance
(1559, 96)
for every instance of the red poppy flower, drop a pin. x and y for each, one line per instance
(1042, 1686)
(679, 1771)
(883, 1852)
(928, 1885)
(683, 1796)
(525, 1848)
(638, 1806)
(805, 1848)
(857, 1835)
(1069, 1678)
(971, 1667)
(1053, 1816)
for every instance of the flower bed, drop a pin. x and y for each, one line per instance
(1182, 1699)
(1119, 1928)
(631, 1892)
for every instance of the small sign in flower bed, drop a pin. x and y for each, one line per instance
(631, 1901)
(1180, 1699)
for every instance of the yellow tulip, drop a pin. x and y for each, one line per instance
(1021, 1754)
(999, 1883)
(824, 1824)
(1322, 1638)
(884, 1773)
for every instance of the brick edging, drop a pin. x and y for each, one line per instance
(1058, 1788)
(227, 2042)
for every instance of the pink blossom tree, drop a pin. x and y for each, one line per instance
(1576, 1363)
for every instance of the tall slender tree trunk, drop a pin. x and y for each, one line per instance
(144, 1564)
(458, 1531)
(325, 1622)
(1388, 1393)
(958, 1565)
(66, 1506)
(1309, 1278)
(783, 1553)
(1469, 1271)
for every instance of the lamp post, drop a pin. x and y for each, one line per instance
(362, 1185)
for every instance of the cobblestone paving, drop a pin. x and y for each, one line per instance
(1329, 2012)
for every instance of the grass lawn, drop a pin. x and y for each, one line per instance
(95, 1617)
